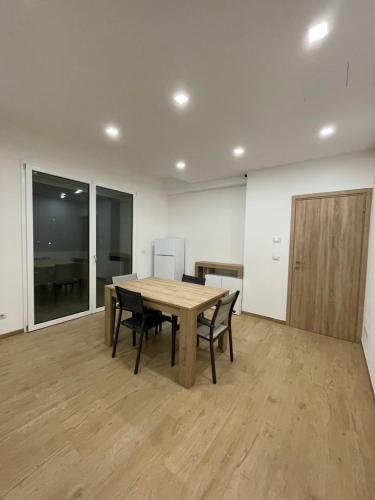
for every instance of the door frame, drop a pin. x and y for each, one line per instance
(29, 324)
(362, 282)
(27, 168)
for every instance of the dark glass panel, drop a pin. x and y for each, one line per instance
(61, 247)
(114, 237)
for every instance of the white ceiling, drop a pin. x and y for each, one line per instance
(69, 67)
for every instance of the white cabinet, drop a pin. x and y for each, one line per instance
(232, 284)
(213, 280)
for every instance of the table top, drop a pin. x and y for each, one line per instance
(178, 294)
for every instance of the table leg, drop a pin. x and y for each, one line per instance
(188, 348)
(109, 316)
(223, 340)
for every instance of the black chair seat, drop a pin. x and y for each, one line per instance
(151, 319)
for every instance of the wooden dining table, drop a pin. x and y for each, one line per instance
(185, 300)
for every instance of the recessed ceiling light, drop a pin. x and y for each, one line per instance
(327, 131)
(78, 191)
(180, 165)
(112, 131)
(181, 98)
(62, 195)
(318, 32)
(238, 151)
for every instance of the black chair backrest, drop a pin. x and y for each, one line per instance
(224, 310)
(193, 279)
(130, 301)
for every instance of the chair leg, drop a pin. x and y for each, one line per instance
(134, 338)
(116, 335)
(213, 362)
(197, 341)
(174, 322)
(158, 328)
(139, 353)
(173, 357)
(146, 334)
(230, 344)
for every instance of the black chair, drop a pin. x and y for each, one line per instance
(193, 279)
(220, 323)
(140, 322)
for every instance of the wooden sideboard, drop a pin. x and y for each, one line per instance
(204, 267)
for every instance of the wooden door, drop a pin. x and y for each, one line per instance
(328, 263)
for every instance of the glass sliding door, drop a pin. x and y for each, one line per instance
(78, 236)
(114, 237)
(60, 247)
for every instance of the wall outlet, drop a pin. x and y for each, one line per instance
(3, 315)
(276, 239)
(275, 257)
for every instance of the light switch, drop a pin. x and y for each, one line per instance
(275, 257)
(276, 239)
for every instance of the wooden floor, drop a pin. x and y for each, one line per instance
(292, 418)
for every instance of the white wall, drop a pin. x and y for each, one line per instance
(151, 217)
(212, 223)
(268, 214)
(368, 336)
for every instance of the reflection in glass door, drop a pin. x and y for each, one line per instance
(114, 237)
(60, 209)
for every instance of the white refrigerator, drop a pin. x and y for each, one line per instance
(169, 258)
